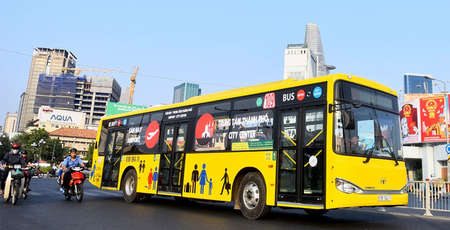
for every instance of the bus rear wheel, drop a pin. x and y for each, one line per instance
(129, 186)
(252, 196)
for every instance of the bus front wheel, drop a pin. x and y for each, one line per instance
(252, 196)
(129, 186)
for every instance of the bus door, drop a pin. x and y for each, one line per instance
(313, 154)
(172, 159)
(113, 154)
(301, 151)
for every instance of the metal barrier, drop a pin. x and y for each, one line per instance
(431, 196)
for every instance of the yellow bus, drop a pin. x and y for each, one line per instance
(318, 144)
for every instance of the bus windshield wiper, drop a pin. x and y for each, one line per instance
(391, 151)
(369, 153)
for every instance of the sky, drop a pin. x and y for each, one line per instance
(221, 44)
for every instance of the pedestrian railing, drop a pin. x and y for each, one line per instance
(431, 196)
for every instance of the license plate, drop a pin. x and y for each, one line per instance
(384, 197)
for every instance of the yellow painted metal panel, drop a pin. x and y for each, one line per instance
(214, 169)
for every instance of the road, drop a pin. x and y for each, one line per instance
(47, 209)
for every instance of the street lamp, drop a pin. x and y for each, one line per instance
(34, 146)
(41, 142)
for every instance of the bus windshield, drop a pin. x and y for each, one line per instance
(366, 127)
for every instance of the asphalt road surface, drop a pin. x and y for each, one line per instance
(46, 209)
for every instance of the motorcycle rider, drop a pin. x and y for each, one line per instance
(28, 174)
(71, 161)
(10, 158)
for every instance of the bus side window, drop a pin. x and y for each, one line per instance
(211, 127)
(103, 137)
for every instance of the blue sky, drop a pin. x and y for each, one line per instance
(222, 44)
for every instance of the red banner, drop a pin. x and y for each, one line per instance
(432, 119)
(409, 123)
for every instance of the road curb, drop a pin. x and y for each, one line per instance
(401, 214)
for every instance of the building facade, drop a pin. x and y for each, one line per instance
(417, 83)
(304, 61)
(44, 61)
(56, 91)
(92, 95)
(10, 124)
(52, 119)
(75, 138)
(85, 94)
(299, 62)
(185, 91)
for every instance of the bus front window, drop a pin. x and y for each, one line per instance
(372, 132)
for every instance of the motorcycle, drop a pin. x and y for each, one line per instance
(14, 185)
(75, 184)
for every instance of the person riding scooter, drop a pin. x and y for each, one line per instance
(28, 174)
(71, 161)
(10, 158)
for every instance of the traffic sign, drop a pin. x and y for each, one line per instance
(447, 148)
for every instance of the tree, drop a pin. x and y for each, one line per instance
(5, 146)
(90, 153)
(35, 136)
(53, 151)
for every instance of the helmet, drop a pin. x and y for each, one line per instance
(24, 152)
(15, 145)
(72, 150)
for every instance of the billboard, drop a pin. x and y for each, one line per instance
(117, 108)
(66, 117)
(433, 119)
(409, 123)
(423, 118)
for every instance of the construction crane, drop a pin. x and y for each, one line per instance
(101, 70)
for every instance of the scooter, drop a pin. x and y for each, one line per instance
(14, 185)
(75, 185)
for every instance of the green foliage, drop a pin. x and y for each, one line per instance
(5, 146)
(45, 170)
(90, 153)
(49, 149)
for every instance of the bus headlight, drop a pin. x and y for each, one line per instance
(405, 188)
(347, 187)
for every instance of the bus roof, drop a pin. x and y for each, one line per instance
(260, 88)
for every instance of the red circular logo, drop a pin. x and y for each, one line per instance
(301, 95)
(152, 134)
(204, 130)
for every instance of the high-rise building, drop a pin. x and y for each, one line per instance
(44, 61)
(303, 61)
(299, 62)
(78, 93)
(91, 97)
(19, 110)
(417, 83)
(10, 124)
(56, 91)
(125, 95)
(185, 91)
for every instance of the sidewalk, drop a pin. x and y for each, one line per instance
(404, 211)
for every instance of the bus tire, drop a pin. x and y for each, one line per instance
(315, 212)
(129, 186)
(252, 196)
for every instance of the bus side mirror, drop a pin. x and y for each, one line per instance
(348, 119)
(95, 146)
